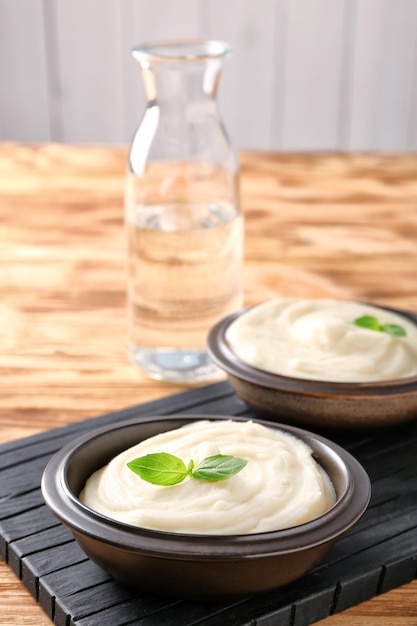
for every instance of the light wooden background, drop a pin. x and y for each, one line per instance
(305, 75)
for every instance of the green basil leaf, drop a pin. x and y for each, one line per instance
(160, 468)
(371, 322)
(394, 329)
(368, 321)
(218, 467)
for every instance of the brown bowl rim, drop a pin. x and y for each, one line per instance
(224, 357)
(339, 519)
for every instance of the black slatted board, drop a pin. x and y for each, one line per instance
(378, 555)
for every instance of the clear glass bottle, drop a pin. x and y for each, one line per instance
(183, 221)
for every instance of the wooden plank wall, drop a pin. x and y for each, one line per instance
(305, 74)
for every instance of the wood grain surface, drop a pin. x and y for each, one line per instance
(342, 226)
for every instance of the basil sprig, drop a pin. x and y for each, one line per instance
(371, 322)
(162, 468)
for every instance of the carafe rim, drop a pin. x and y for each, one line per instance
(181, 50)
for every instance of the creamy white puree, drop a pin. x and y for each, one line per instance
(316, 339)
(281, 485)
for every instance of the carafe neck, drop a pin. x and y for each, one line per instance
(175, 73)
(173, 85)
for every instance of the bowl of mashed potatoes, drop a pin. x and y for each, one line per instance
(321, 363)
(247, 507)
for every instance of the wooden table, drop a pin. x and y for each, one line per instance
(342, 226)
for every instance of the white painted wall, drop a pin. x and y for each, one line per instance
(305, 74)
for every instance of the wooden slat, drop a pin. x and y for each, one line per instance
(312, 76)
(394, 92)
(112, 617)
(52, 559)
(245, 94)
(89, 67)
(55, 536)
(15, 505)
(25, 478)
(70, 581)
(25, 524)
(397, 572)
(382, 97)
(24, 105)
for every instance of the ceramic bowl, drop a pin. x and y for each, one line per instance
(198, 566)
(311, 403)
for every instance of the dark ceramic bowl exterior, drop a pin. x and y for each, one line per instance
(312, 403)
(198, 566)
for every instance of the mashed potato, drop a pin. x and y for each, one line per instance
(281, 485)
(317, 339)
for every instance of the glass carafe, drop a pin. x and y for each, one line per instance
(182, 214)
